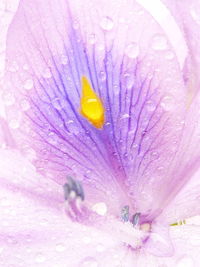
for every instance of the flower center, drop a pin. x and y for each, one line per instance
(128, 230)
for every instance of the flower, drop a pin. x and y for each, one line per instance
(103, 105)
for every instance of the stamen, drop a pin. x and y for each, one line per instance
(73, 189)
(91, 106)
(125, 214)
(178, 223)
(135, 219)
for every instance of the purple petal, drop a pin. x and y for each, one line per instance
(148, 148)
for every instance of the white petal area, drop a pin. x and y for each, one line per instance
(36, 232)
(162, 15)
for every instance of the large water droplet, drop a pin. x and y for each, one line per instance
(150, 106)
(14, 124)
(46, 73)
(159, 42)
(102, 76)
(168, 103)
(100, 208)
(132, 50)
(60, 247)
(8, 99)
(106, 23)
(64, 60)
(28, 84)
(40, 258)
(92, 39)
(169, 55)
(14, 67)
(24, 105)
(89, 262)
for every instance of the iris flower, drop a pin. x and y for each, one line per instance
(100, 141)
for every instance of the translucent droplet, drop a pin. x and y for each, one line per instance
(72, 127)
(132, 50)
(100, 248)
(129, 80)
(14, 67)
(60, 247)
(24, 105)
(195, 13)
(28, 84)
(89, 262)
(150, 106)
(168, 103)
(40, 258)
(185, 262)
(102, 76)
(169, 55)
(106, 23)
(8, 99)
(14, 124)
(75, 25)
(64, 60)
(100, 208)
(46, 73)
(57, 104)
(159, 42)
(92, 39)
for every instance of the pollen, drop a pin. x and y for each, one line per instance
(91, 106)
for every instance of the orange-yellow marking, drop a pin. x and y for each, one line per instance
(91, 106)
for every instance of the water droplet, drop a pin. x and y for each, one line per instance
(60, 247)
(14, 67)
(87, 240)
(100, 248)
(102, 76)
(75, 25)
(129, 80)
(169, 55)
(168, 103)
(24, 105)
(106, 23)
(40, 258)
(64, 60)
(57, 104)
(100, 208)
(89, 262)
(46, 73)
(8, 99)
(195, 13)
(185, 262)
(159, 42)
(150, 106)
(72, 127)
(14, 124)
(92, 39)
(132, 50)
(28, 84)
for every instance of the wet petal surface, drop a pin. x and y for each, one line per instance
(131, 66)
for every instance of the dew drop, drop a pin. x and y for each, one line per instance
(106, 23)
(46, 73)
(168, 103)
(132, 50)
(24, 105)
(100, 248)
(8, 99)
(169, 55)
(60, 247)
(150, 106)
(28, 84)
(14, 67)
(100, 208)
(92, 39)
(89, 262)
(40, 258)
(57, 104)
(72, 127)
(159, 42)
(102, 76)
(75, 25)
(63, 60)
(129, 80)
(14, 124)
